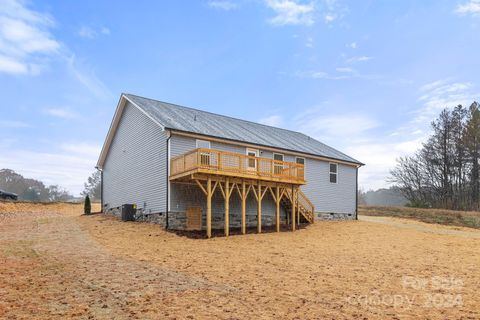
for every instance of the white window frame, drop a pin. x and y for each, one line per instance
(251, 150)
(278, 154)
(200, 140)
(330, 172)
(280, 166)
(304, 161)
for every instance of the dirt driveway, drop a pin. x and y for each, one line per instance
(57, 265)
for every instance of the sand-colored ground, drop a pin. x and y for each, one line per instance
(56, 265)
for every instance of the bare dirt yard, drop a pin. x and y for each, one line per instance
(57, 264)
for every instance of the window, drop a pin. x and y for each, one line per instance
(252, 162)
(203, 144)
(300, 160)
(277, 166)
(300, 171)
(333, 172)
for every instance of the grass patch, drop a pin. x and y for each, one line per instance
(20, 249)
(469, 219)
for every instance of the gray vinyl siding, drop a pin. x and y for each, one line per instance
(135, 168)
(181, 144)
(327, 197)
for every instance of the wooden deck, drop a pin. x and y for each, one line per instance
(222, 163)
(211, 169)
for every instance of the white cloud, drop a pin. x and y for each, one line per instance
(12, 66)
(87, 32)
(352, 45)
(91, 33)
(316, 123)
(87, 77)
(342, 73)
(92, 150)
(321, 75)
(64, 113)
(12, 124)
(380, 157)
(305, 12)
(471, 7)
(380, 153)
(222, 5)
(358, 59)
(345, 70)
(69, 167)
(25, 38)
(309, 43)
(355, 134)
(440, 94)
(274, 120)
(290, 12)
(328, 18)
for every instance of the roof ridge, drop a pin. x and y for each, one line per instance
(221, 115)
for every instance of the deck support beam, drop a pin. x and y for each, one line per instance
(209, 208)
(259, 208)
(244, 208)
(298, 211)
(294, 205)
(277, 211)
(227, 207)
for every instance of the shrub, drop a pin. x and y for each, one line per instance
(87, 209)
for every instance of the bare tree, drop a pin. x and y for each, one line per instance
(93, 186)
(445, 172)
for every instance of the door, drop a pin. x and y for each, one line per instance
(277, 164)
(252, 162)
(194, 218)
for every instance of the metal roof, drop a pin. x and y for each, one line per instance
(196, 121)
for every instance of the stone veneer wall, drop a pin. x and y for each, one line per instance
(177, 219)
(334, 216)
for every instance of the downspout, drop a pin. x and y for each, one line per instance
(356, 194)
(168, 181)
(101, 189)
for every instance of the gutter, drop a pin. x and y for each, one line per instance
(101, 188)
(168, 181)
(356, 194)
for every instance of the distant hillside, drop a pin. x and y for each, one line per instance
(390, 197)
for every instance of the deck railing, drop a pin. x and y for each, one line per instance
(220, 162)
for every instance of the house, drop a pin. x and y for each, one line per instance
(190, 169)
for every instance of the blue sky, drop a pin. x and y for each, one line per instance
(365, 77)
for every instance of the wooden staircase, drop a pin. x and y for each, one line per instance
(305, 206)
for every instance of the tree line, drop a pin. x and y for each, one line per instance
(445, 172)
(34, 190)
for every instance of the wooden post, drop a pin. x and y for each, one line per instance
(209, 207)
(298, 211)
(277, 212)
(227, 207)
(288, 215)
(244, 208)
(294, 204)
(259, 208)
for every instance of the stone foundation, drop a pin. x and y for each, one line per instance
(334, 216)
(178, 220)
(157, 218)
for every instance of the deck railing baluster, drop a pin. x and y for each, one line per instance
(228, 162)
